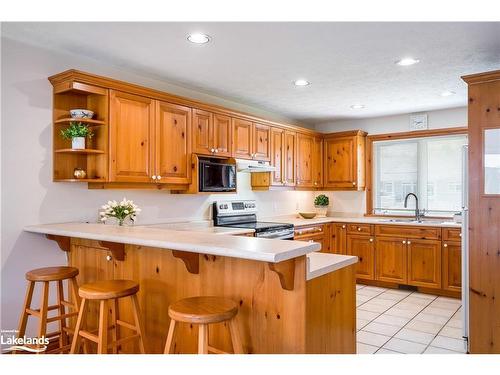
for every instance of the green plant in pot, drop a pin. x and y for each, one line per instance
(77, 131)
(321, 203)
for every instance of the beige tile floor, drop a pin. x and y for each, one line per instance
(393, 321)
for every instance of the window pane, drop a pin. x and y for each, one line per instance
(397, 165)
(492, 161)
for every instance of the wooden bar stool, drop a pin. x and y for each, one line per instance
(105, 292)
(204, 311)
(46, 276)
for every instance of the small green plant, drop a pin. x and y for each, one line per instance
(321, 200)
(77, 129)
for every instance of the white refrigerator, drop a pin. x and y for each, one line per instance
(465, 246)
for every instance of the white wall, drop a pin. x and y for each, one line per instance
(28, 194)
(355, 202)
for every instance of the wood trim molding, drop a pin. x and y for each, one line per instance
(63, 241)
(394, 136)
(471, 79)
(117, 249)
(348, 133)
(191, 260)
(74, 75)
(286, 272)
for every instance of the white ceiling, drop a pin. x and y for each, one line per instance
(255, 63)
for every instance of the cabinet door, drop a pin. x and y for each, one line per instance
(424, 263)
(363, 248)
(452, 266)
(131, 127)
(318, 238)
(304, 160)
(318, 162)
(202, 131)
(222, 135)
(261, 142)
(340, 163)
(391, 258)
(277, 159)
(242, 138)
(289, 158)
(338, 238)
(173, 143)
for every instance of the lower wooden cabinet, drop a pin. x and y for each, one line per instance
(338, 238)
(424, 263)
(362, 247)
(391, 255)
(315, 233)
(452, 266)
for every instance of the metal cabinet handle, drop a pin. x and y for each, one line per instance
(404, 242)
(371, 239)
(359, 229)
(354, 184)
(216, 150)
(153, 177)
(445, 245)
(343, 226)
(460, 235)
(158, 178)
(212, 150)
(109, 257)
(409, 242)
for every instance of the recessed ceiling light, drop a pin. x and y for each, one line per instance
(357, 106)
(198, 38)
(447, 93)
(407, 61)
(301, 82)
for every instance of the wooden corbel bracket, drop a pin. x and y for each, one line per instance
(285, 271)
(117, 249)
(191, 260)
(63, 241)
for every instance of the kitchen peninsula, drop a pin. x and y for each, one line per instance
(291, 299)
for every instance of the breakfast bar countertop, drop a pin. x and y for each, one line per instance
(266, 250)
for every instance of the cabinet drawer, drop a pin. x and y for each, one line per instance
(430, 233)
(360, 229)
(303, 231)
(450, 234)
(315, 237)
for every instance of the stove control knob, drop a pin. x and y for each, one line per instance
(221, 206)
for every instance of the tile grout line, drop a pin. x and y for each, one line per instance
(444, 325)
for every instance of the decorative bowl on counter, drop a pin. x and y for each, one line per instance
(307, 215)
(81, 113)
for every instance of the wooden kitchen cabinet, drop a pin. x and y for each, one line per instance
(338, 238)
(261, 142)
(344, 167)
(277, 156)
(452, 266)
(391, 259)
(314, 233)
(362, 247)
(289, 157)
(305, 147)
(211, 134)
(172, 143)
(131, 135)
(242, 138)
(424, 263)
(317, 162)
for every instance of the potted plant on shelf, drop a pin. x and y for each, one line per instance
(121, 211)
(321, 203)
(77, 131)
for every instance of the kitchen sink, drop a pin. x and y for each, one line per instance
(413, 221)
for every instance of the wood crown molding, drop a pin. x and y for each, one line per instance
(348, 133)
(110, 83)
(471, 79)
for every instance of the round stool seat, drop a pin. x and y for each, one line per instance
(203, 310)
(52, 273)
(108, 289)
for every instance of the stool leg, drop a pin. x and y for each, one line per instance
(203, 339)
(27, 304)
(138, 323)
(44, 304)
(235, 336)
(170, 337)
(63, 336)
(114, 331)
(102, 343)
(76, 302)
(75, 344)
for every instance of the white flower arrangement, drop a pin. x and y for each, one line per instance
(120, 210)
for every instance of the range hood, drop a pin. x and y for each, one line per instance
(253, 166)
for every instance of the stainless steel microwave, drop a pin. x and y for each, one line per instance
(216, 176)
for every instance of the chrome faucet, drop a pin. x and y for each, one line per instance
(418, 214)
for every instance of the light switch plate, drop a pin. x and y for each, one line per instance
(418, 122)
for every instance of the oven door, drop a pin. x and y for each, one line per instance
(217, 177)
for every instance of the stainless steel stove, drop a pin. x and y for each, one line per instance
(243, 214)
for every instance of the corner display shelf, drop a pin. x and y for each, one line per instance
(69, 94)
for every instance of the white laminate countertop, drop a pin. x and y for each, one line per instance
(298, 221)
(266, 250)
(200, 226)
(319, 264)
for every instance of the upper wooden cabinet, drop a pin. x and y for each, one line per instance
(131, 133)
(289, 157)
(317, 162)
(344, 160)
(172, 144)
(261, 142)
(283, 157)
(242, 138)
(211, 133)
(305, 147)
